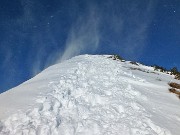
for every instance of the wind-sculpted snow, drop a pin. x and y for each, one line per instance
(93, 96)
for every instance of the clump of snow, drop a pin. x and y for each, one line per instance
(91, 95)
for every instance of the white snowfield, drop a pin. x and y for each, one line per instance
(92, 95)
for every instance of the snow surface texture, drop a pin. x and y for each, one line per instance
(92, 95)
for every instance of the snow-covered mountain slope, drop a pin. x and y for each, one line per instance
(92, 95)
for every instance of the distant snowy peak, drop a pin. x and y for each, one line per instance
(92, 95)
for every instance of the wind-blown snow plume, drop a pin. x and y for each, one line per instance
(123, 27)
(47, 32)
(84, 36)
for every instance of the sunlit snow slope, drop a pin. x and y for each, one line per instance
(92, 95)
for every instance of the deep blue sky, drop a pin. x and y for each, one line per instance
(35, 34)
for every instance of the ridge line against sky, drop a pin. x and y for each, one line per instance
(35, 34)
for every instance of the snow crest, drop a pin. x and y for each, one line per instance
(91, 97)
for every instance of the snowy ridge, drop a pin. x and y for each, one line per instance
(93, 95)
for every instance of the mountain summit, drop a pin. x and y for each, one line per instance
(92, 95)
